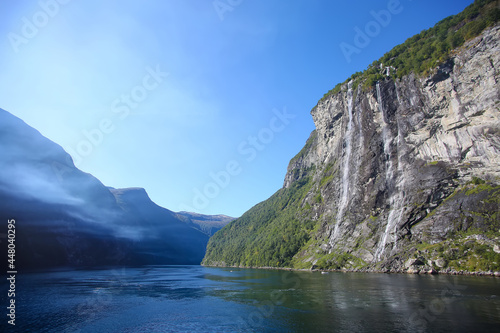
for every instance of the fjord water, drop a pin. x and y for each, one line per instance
(202, 299)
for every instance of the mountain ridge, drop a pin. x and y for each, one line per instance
(208, 224)
(66, 217)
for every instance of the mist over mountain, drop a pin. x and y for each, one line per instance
(66, 217)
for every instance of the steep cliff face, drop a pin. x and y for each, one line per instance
(404, 175)
(407, 156)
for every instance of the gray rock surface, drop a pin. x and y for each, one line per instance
(395, 164)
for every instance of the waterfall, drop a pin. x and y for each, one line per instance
(397, 93)
(397, 199)
(396, 195)
(387, 137)
(361, 143)
(345, 168)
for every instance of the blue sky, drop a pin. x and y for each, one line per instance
(203, 103)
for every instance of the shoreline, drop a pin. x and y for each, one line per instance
(387, 271)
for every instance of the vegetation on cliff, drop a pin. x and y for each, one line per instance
(279, 232)
(269, 234)
(446, 218)
(430, 48)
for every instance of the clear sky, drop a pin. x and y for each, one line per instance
(203, 103)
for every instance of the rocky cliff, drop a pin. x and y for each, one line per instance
(406, 156)
(401, 176)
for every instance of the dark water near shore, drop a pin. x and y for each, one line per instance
(200, 299)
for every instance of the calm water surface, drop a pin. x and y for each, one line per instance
(200, 299)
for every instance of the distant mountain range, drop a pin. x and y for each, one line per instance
(208, 224)
(66, 217)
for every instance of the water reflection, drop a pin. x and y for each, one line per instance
(338, 302)
(200, 299)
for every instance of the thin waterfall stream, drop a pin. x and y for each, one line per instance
(396, 196)
(345, 168)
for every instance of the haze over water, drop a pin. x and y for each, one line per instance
(202, 299)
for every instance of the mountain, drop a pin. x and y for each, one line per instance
(208, 224)
(402, 171)
(65, 217)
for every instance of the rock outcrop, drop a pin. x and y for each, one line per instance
(403, 151)
(401, 175)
